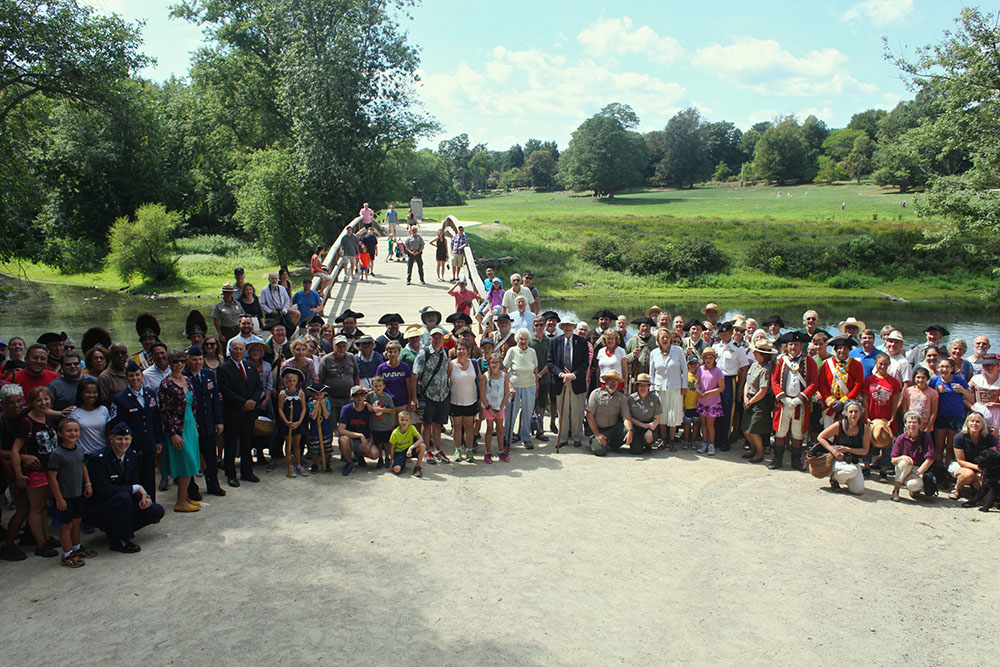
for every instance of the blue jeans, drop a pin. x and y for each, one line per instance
(524, 400)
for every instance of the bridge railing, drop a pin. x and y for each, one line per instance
(450, 226)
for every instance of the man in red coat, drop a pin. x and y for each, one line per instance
(793, 381)
(841, 378)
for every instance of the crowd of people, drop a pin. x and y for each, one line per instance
(86, 430)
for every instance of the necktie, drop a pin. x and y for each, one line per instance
(244, 371)
(568, 353)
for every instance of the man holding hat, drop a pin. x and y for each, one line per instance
(934, 334)
(638, 347)
(841, 378)
(119, 505)
(568, 358)
(609, 418)
(794, 380)
(392, 333)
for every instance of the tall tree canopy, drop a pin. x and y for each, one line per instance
(604, 155)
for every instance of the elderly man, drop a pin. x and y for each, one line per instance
(339, 372)
(431, 368)
(459, 242)
(841, 379)
(35, 374)
(509, 303)
(112, 379)
(277, 305)
(980, 347)
(852, 327)
(794, 380)
(568, 359)
(64, 387)
(810, 322)
(120, 505)
(242, 392)
(392, 332)
(899, 367)
(609, 417)
(138, 408)
(158, 370)
(934, 333)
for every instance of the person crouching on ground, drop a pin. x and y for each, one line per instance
(407, 444)
(848, 440)
(355, 432)
(913, 455)
(608, 417)
(645, 412)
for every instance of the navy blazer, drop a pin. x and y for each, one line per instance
(144, 421)
(109, 476)
(208, 401)
(581, 359)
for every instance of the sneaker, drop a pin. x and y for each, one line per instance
(504, 457)
(348, 468)
(11, 552)
(314, 468)
(84, 552)
(379, 465)
(417, 472)
(302, 471)
(293, 471)
(703, 448)
(429, 458)
(46, 552)
(488, 459)
(469, 457)
(440, 456)
(711, 449)
(72, 561)
(528, 445)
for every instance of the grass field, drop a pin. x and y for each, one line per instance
(546, 230)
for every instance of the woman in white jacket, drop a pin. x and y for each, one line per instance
(668, 372)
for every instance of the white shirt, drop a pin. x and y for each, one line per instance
(731, 358)
(900, 369)
(510, 299)
(668, 372)
(152, 377)
(276, 299)
(613, 362)
(519, 321)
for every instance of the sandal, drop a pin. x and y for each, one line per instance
(954, 495)
(894, 497)
(661, 445)
(756, 459)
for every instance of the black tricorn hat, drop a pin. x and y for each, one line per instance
(95, 337)
(51, 337)
(458, 317)
(349, 313)
(195, 324)
(774, 319)
(793, 337)
(146, 324)
(691, 323)
(389, 318)
(603, 312)
(644, 320)
(550, 315)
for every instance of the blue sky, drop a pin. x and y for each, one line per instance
(506, 72)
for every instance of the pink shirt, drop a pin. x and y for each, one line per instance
(707, 381)
(463, 300)
(367, 215)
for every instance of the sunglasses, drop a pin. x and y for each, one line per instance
(71, 363)
(211, 345)
(177, 361)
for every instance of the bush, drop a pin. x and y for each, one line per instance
(144, 246)
(606, 252)
(675, 259)
(211, 244)
(72, 255)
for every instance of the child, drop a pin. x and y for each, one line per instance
(70, 484)
(318, 407)
(364, 261)
(291, 418)
(691, 418)
(382, 407)
(407, 444)
(710, 381)
(36, 436)
(494, 390)
(921, 399)
(390, 246)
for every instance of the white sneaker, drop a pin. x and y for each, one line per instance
(711, 449)
(703, 448)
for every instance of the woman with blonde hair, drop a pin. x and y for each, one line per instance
(974, 439)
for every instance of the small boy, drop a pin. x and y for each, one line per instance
(318, 407)
(691, 418)
(70, 484)
(390, 246)
(408, 444)
(365, 262)
(381, 405)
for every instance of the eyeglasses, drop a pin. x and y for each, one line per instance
(516, 280)
(177, 361)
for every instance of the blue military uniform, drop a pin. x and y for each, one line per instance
(144, 421)
(113, 507)
(208, 409)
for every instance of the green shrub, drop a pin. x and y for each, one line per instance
(606, 252)
(72, 255)
(144, 246)
(850, 280)
(211, 244)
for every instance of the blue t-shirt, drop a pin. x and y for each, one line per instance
(949, 401)
(306, 302)
(357, 421)
(867, 360)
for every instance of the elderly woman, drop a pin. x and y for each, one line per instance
(668, 374)
(912, 455)
(522, 364)
(973, 440)
(956, 352)
(181, 458)
(644, 413)
(758, 401)
(848, 440)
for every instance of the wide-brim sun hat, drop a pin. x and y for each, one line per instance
(567, 322)
(881, 433)
(852, 322)
(612, 374)
(763, 345)
(708, 307)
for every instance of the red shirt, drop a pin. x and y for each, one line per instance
(29, 382)
(880, 392)
(463, 300)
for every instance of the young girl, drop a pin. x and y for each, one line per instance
(710, 381)
(407, 444)
(292, 412)
(70, 484)
(318, 407)
(921, 399)
(494, 390)
(691, 418)
(382, 407)
(37, 438)
(953, 390)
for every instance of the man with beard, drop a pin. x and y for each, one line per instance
(64, 387)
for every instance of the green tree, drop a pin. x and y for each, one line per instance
(899, 164)
(827, 170)
(514, 157)
(512, 178)
(603, 155)
(684, 160)
(456, 154)
(721, 143)
(868, 122)
(840, 143)
(540, 169)
(722, 173)
(481, 165)
(430, 172)
(273, 206)
(781, 153)
(144, 245)
(859, 161)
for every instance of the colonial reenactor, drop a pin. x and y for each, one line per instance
(794, 380)
(148, 329)
(841, 379)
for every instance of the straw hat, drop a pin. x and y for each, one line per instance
(708, 307)
(852, 322)
(414, 330)
(653, 309)
(881, 433)
(763, 345)
(612, 375)
(643, 378)
(567, 322)
(895, 335)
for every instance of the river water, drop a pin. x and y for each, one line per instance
(34, 308)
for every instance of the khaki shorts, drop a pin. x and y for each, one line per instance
(458, 259)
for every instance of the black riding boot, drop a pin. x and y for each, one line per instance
(796, 456)
(779, 455)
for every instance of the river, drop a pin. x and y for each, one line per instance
(34, 308)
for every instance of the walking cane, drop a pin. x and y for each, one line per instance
(562, 415)
(288, 445)
(319, 431)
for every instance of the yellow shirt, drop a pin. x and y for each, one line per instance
(691, 397)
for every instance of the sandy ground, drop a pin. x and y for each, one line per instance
(550, 559)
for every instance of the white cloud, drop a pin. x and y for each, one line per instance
(609, 37)
(764, 67)
(880, 12)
